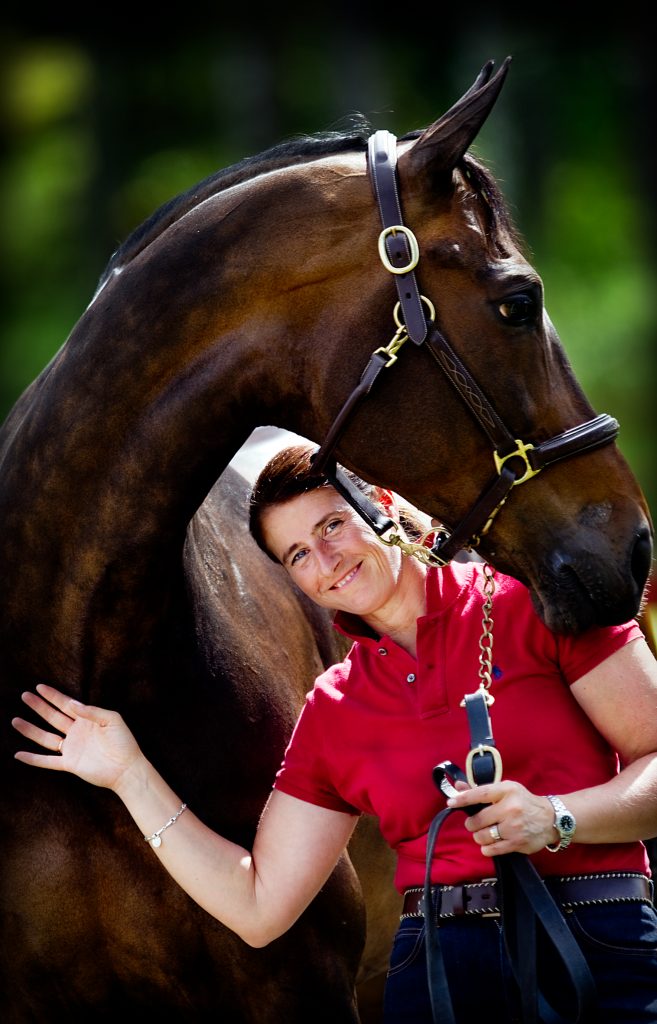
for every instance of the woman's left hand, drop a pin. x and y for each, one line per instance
(523, 821)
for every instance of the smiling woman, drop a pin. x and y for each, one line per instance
(368, 736)
(327, 548)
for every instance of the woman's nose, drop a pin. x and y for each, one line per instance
(328, 557)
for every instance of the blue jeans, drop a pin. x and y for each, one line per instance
(619, 942)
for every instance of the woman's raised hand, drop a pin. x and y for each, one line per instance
(92, 743)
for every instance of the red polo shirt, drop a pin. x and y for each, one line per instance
(374, 725)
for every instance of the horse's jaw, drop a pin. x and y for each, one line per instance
(584, 579)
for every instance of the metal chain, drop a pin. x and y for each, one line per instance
(486, 638)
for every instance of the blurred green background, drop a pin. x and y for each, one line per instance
(104, 117)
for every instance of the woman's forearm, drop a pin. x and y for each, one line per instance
(257, 894)
(620, 811)
(216, 873)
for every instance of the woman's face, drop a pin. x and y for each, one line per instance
(331, 553)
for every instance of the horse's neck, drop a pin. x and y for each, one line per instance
(95, 507)
(116, 445)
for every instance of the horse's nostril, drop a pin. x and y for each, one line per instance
(642, 558)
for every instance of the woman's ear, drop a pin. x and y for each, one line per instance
(388, 502)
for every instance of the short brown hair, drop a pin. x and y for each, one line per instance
(290, 473)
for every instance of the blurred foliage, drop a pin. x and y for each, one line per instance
(103, 123)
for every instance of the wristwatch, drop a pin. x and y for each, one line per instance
(565, 824)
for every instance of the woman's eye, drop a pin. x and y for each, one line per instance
(519, 309)
(297, 556)
(333, 525)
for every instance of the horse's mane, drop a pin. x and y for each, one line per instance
(295, 150)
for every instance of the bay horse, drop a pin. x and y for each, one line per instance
(129, 579)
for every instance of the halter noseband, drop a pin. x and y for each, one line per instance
(515, 461)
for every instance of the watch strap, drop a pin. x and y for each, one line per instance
(565, 838)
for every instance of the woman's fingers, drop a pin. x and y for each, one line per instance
(49, 740)
(50, 713)
(492, 841)
(52, 761)
(93, 743)
(65, 704)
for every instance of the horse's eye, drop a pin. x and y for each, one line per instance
(519, 309)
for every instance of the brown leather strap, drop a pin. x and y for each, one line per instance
(376, 363)
(481, 898)
(461, 379)
(455, 900)
(382, 162)
(465, 534)
(598, 431)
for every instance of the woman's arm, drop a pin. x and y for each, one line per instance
(257, 894)
(620, 698)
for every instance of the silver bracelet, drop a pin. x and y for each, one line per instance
(155, 839)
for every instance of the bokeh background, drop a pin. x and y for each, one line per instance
(106, 114)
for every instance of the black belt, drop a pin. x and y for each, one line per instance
(481, 899)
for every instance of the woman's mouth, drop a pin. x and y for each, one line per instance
(347, 578)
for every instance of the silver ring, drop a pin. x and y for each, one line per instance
(61, 744)
(494, 833)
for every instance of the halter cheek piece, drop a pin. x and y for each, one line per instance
(515, 461)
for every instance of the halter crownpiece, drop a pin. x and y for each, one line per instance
(515, 460)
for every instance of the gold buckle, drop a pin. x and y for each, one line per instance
(483, 748)
(412, 244)
(521, 452)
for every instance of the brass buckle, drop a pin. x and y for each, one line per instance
(521, 452)
(412, 244)
(480, 749)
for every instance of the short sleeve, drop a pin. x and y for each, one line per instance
(578, 655)
(305, 772)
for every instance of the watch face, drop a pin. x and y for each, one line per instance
(566, 823)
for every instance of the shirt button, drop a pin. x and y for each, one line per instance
(410, 678)
(382, 650)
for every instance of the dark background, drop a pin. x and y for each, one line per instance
(107, 114)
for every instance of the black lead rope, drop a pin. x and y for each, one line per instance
(525, 902)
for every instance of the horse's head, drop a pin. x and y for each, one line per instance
(578, 533)
(257, 297)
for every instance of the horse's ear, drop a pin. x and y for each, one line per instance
(440, 147)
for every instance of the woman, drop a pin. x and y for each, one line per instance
(567, 712)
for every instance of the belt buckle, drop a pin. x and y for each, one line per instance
(466, 901)
(459, 904)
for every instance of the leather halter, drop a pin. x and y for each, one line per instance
(515, 460)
